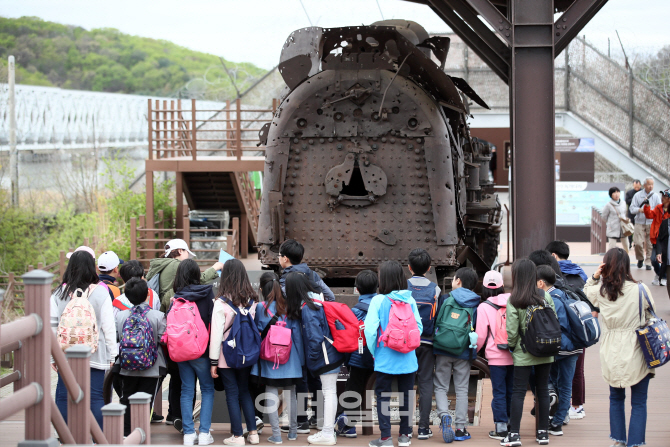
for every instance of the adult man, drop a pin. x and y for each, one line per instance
(658, 214)
(637, 185)
(642, 224)
(663, 247)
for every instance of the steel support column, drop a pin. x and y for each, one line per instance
(532, 125)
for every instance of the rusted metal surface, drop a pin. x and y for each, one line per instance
(369, 155)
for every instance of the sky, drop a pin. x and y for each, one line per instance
(254, 30)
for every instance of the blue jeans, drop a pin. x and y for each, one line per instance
(562, 373)
(188, 371)
(236, 384)
(97, 402)
(502, 382)
(382, 387)
(638, 414)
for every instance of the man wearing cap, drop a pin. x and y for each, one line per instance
(659, 213)
(642, 224)
(108, 265)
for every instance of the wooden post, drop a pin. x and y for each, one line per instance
(179, 197)
(20, 365)
(79, 358)
(133, 238)
(194, 147)
(229, 134)
(37, 351)
(150, 136)
(150, 210)
(244, 236)
(140, 413)
(274, 105)
(236, 237)
(186, 224)
(238, 127)
(172, 135)
(112, 417)
(61, 265)
(166, 136)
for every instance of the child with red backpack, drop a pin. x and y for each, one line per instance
(491, 331)
(139, 331)
(393, 330)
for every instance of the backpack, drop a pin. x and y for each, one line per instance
(362, 342)
(123, 306)
(277, 342)
(543, 331)
(186, 334)
(155, 283)
(402, 332)
(500, 338)
(114, 291)
(584, 328)
(78, 324)
(138, 348)
(242, 347)
(344, 326)
(453, 326)
(427, 304)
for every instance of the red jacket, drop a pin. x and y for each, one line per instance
(658, 215)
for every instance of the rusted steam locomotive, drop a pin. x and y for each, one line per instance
(369, 155)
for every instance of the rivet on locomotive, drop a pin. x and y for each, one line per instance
(369, 156)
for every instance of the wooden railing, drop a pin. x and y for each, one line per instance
(251, 202)
(33, 343)
(598, 232)
(177, 132)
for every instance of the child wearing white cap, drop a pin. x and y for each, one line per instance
(108, 266)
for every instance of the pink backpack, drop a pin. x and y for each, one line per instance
(402, 333)
(500, 337)
(186, 334)
(277, 343)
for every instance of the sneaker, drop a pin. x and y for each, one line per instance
(275, 440)
(664, 282)
(499, 435)
(542, 437)
(190, 439)
(577, 413)
(425, 433)
(462, 435)
(259, 427)
(511, 440)
(207, 439)
(447, 429)
(253, 439)
(292, 436)
(555, 430)
(648, 267)
(320, 439)
(381, 443)
(553, 401)
(303, 429)
(532, 411)
(655, 281)
(156, 418)
(178, 425)
(312, 422)
(640, 264)
(234, 440)
(342, 429)
(169, 420)
(566, 421)
(404, 441)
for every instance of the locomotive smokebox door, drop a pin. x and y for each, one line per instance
(356, 182)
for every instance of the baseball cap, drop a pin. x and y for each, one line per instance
(175, 244)
(88, 250)
(493, 280)
(108, 261)
(665, 193)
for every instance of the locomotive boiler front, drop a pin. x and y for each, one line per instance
(368, 154)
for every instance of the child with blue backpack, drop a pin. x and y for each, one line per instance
(235, 306)
(360, 366)
(393, 322)
(139, 330)
(425, 293)
(452, 345)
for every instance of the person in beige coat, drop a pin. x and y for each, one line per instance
(613, 289)
(613, 212)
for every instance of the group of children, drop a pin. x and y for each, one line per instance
(413, 334)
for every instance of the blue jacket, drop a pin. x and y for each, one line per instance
(570, 268)
(559, 304)
(292, 368)
(388, 360)
(465, 298)
(316, 279)
(364, 360)
(321, 357)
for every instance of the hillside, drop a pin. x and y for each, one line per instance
(107, 60)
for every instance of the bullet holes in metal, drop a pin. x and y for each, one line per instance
(319, 111)
(412, 123)
(375, 116)
(302, 123)
(358, 113)
(360, 253)
(395, 110)
(338, 116)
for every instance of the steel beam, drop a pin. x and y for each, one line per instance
(532, 125)
(470, 17)
(495, 18)
(573, 20)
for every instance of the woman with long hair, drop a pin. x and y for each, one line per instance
(614, 290)
(80, 275)
(287, 375)
(525, 293)
(235, 297)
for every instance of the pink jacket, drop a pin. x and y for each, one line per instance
(485, 328)
(222, 321)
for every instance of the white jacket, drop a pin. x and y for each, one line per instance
(611, 218)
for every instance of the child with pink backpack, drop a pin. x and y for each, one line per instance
(491, 329)
(393, 330)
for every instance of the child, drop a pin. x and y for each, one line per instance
(290, 259)
(187, 285)
(144, 380)
(289, 374)
(525, 294)
(108, 265)
(563, 368)
(389, 363)
(360, 366)
(321, 357)
(128, 270)
(425, 294)
(458, 366)
(494, 302)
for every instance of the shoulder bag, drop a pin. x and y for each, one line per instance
(653, 336)
(627, 227)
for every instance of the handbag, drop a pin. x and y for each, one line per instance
(653, 336)
(627, 227)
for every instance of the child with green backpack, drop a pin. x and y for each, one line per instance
(455, 348)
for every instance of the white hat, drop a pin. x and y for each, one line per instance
(493, 280)
(175, 244)
(88, 250)
(108, 261)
